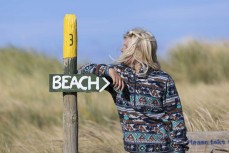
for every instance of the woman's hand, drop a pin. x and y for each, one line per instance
(118, 82)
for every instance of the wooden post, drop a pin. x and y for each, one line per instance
(70, 115)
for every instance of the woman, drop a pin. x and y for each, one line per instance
(146, 98)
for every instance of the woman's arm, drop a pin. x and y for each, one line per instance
(173, 108)
(97, 69)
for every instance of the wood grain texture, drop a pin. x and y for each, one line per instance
(70, 115)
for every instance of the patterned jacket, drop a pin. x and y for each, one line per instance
(149, 109)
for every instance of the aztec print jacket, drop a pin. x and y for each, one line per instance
(149, 109)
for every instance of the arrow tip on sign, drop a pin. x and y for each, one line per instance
(107, 83)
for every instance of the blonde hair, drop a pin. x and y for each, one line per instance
(142, 47)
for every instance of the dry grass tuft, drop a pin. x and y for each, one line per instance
(31, 117)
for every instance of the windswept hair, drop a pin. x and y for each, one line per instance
(142, 46)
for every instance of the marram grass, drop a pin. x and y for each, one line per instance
(196, 61)
(31, 117)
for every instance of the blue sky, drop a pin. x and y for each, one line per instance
(102, 23)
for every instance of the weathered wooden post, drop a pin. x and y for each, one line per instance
(70, 83)
(70, 115)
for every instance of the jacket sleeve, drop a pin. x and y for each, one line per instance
(100, 70)
(173, 108)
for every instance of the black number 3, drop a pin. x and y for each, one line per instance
(71, 39)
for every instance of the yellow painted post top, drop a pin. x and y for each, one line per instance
(70, 36)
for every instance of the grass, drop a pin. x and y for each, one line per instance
(196, 61)
(31, 117)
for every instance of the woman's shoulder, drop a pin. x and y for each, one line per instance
(160, 74)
